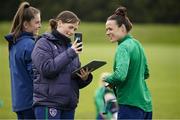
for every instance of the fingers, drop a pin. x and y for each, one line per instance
(83, 76)
(84, 73)
(75, 42)
(79, 75)
(86, 70)
(77, 46)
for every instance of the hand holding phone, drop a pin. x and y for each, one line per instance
(77, 45)
(78, 37)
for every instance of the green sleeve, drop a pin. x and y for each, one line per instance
(146, 68)
(146, 73)
(121, 66)
(99, 100)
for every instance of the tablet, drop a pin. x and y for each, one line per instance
(93, 65)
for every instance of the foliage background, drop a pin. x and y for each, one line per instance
(141, 11)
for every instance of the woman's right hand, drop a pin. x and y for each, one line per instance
(77, 47)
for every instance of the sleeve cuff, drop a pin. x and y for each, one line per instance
(71, 53)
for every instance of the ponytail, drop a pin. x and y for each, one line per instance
(53, 24)
(25, 12)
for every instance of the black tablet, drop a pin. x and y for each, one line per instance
(93, 65)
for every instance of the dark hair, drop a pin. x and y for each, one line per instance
(25, 12)
(65, 17)
(120, 16)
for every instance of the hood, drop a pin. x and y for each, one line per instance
(10, 37)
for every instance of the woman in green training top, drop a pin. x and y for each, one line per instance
(130, 69)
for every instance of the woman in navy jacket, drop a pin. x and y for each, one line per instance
(56, 92)
(25, 26)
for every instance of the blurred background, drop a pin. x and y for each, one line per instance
(156, 24)
(141, 11)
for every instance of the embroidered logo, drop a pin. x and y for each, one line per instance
(55, 46)
(52, 112)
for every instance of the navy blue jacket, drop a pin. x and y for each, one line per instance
(54, 61)
(21, 70)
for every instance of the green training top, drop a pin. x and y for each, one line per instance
(130, 71)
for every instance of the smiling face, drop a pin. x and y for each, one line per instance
(34, 25)
(67, 29)
(114, 32)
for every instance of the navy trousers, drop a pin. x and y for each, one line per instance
(26, 114)
(131, 112)
(44, 112)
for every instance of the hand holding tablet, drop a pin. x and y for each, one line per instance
(92, 66)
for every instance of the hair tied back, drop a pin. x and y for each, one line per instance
(53, 23)
(27, 5)
(121, 11)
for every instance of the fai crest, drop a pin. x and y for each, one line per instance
(52, 112)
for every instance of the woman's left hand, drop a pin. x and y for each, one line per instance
(84, 73)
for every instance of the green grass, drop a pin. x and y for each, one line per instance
(162, 45)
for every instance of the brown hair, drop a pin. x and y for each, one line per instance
(65, 17)
(120, 16)
(25, 12)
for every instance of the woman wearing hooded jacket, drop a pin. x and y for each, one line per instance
(56, 92)
(21, 40)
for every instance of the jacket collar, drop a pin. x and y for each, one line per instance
(124, 38)
(60, 36)
(57, 37)
(10, 37)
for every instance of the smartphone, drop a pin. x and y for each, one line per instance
(78, 37)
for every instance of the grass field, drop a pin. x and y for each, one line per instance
(162, 46)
